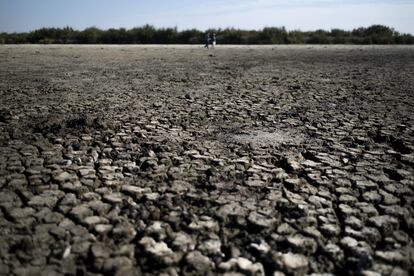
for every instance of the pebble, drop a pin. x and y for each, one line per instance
(302, 244)
(386, 224)
(159, 251)
(80, 212)
(261, 220)
(113, 198)
(198, 262)
(100, 251)
(245, 265)
(210, 247)
(295, 264)
(62, 177)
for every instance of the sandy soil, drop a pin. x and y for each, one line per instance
(132, 160)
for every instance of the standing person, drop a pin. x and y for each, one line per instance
(214, 40)
(208, 39)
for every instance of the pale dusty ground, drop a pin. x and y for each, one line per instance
(175, 159)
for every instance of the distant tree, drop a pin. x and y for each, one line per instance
(230, 36)
(111, 36)
(380, 34)
(319, 37)
(296, 37)
(89, 36)
(165, 36)
(339, 36)
(375, 34)
(273, 36)
(147, 34)
(404, 39)
(192, 36)
(359, 32)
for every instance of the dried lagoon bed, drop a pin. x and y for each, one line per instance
(176, 159)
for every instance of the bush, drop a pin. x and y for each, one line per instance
(375, 34)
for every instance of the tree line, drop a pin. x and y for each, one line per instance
(375, 34)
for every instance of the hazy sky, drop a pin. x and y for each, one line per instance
(26, 15)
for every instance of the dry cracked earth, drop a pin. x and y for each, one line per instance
(177, 160)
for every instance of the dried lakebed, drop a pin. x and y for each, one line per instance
(133, 160)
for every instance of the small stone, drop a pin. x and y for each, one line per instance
(334, 252)
(152, 196)
(302, 244)
(391, 257)
(313, 232)
(295, 264)
(401, 237)
(114, 198)
(255, 183)
(127, 250)
(21, 213)
(69, 199)
(210, 247)
(206, 223)
(124, 231)
(86, 138)
(95, 156)
(360, 255)
(43, 201)
(354, 222)
(183, 242)
(386, 224)
(285, 229)
(347, 210)
(294, 184)
(244, 265)
(261, 220)
(62, 177)
(292, 165)
(198, 262)
(84, 172)
(157, 229)
(99, 207)
(135, 191)
(100, 251)
(118, 266)
(366, 185)
(90, 196)
(349, 242)
(81, 247)
(389, 199)
(80, 212)
(347, 199)
(93, 220)
(159, 251)
(369, 210)
(47, 216)
(330, 229)
(233, 209)
(67, 251)
(103, 228)
(66, 224)
(263, 247)
(370, 273)
(372, 196)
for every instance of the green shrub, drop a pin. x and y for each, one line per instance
(147, 34)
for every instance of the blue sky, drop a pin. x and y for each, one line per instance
(26, 15)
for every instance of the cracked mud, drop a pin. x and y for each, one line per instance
(181, 161)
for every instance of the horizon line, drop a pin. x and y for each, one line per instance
(204, 30)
